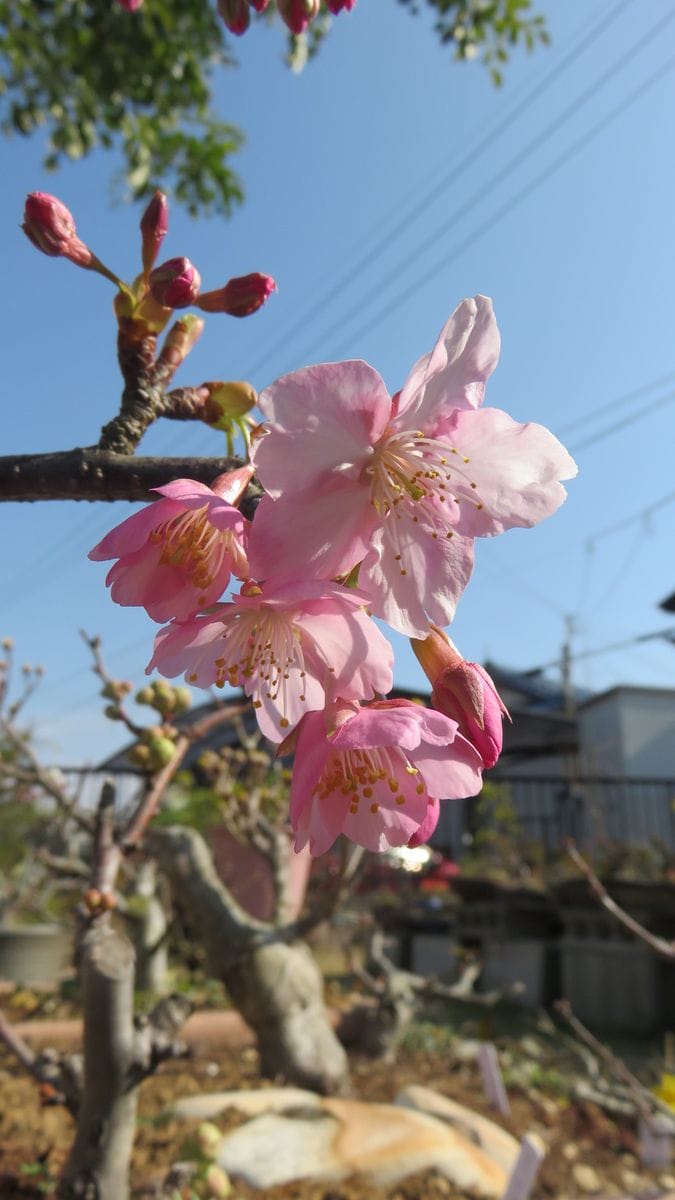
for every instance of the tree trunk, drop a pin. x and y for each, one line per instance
(278, 990)
(148, 932)
(276, 985)
(98, 1164)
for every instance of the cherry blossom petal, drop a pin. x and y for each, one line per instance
(316, 534)
(320, 418)
(516, 469)
(355, 658)
(454, 374)
(450, 775)
(437, 569)
(421, 836)
(132, 534)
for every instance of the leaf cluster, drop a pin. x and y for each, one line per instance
(92, 75)
(490, 29)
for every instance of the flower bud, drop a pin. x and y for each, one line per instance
(236, 14)
(154, 227)
(175, 284)
(130, 5)
(228, 402)
(51, 227)
(240, 297)
(217, 1182)
(298, 14)
(209, 1137)
(464, 692)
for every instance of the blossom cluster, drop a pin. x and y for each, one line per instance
(296, 14)
(371, 507)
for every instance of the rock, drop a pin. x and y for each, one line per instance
(632, 1181)
(382, 1142)
(251, 1102)
(495, 1141)
(466, 1049)
(586, 1178)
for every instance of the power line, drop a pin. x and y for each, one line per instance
(601, 434)
(477, 197)
(612, 405)
(450, 177)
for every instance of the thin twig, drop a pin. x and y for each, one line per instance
(645, 1100)
(660, 945)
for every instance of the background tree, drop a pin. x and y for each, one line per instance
(89, 74)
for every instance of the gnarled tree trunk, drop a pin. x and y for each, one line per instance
(275, 984)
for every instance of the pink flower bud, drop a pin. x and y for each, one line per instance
(298, 14)
(130, 5)
(175, 284)
(154, 228)
(240, 297)
(336, 6)
(463, 691)
(236, 14)
(51, 227)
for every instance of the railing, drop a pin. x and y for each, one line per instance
(593, 810)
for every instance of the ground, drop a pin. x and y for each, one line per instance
(34, 1139)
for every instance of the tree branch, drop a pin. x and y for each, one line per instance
(660, 945)
(87, 473)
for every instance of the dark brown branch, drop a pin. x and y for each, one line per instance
(662, 947)
(91, 474)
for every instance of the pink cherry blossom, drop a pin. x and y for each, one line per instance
(293, 647)
(177, 555)
(377, 775)
(464, 691)
(413, 479)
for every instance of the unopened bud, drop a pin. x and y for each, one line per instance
(92, 899)
(209, 1138)
(155, 220)
(298, 14)
(175, 284)
(240, 296)
(228, 402)
(182, 699)
(51, 227)
(145, 695)
(217, 1182)
(8, 643)
(112, 712)
(236, 14)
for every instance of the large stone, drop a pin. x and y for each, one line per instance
(492, 1139)
(382, 1142)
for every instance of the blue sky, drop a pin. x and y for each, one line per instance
(384, 184)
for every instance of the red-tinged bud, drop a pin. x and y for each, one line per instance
(336, 6)
(240, 297)
(236, 14)
(154, 228)
(51, 227)
(175, 284)
(298, 14)
(464, 692)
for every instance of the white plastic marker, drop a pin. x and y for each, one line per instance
(525, 1168)
(493, 1083)
(656, 1141)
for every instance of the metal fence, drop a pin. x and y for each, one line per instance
(595, 811)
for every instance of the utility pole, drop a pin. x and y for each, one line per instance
(566, 666)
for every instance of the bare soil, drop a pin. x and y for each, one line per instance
(34, 1139)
